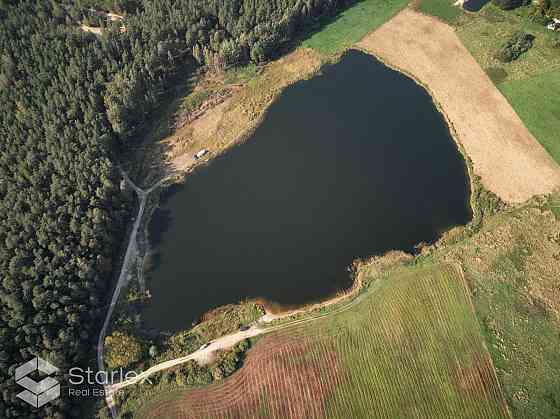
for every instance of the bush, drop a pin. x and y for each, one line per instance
(519, 43)
(496, 74)
(192, 374)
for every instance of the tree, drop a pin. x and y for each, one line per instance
(122, 350)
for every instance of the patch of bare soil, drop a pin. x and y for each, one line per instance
(235, 118)
(509, 160)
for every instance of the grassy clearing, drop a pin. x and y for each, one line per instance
(413, 347)
(353, 24)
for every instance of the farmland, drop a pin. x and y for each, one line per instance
(531, 83)
(411, 347)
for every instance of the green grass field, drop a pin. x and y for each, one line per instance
(411, 347)
(537, 102)
(414, 349)
(353, 24)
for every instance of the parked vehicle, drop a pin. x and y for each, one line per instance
(201, 154)
(244, 327)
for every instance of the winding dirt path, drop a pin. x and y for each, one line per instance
(131, 253)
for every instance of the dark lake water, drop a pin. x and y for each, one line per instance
(474, 5)
(355, 162)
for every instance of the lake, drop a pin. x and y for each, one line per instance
(352, 163)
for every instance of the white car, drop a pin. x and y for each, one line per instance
(200, 154)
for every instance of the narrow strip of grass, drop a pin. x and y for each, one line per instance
(353, 24)
(537, 102)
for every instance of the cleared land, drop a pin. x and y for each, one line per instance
(508, 159)
(412, 348)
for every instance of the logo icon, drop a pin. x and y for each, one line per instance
(36, 393)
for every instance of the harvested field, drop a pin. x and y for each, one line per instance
(411, 348)
(509, 160)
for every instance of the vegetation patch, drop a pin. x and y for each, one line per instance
(186, 376)
(519, 43)
(496, 74)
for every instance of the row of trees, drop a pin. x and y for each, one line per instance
(70, 102)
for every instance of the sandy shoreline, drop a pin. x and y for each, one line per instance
(509, 160)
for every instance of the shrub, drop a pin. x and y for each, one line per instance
(496, 74)
(191, 373)
(519, 43)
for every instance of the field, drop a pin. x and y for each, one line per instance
(513, 268)
(411, 347)
(531, 83)
(353, 24)
(537, 102)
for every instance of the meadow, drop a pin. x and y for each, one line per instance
(411, 347)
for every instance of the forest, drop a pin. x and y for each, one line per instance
(71, 103)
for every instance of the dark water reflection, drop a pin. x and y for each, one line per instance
(352, 163)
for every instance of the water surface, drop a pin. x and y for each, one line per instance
(352, 163)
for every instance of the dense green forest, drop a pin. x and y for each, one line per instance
(70, 104)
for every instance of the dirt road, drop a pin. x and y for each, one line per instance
(131, 254)
(509, 160)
